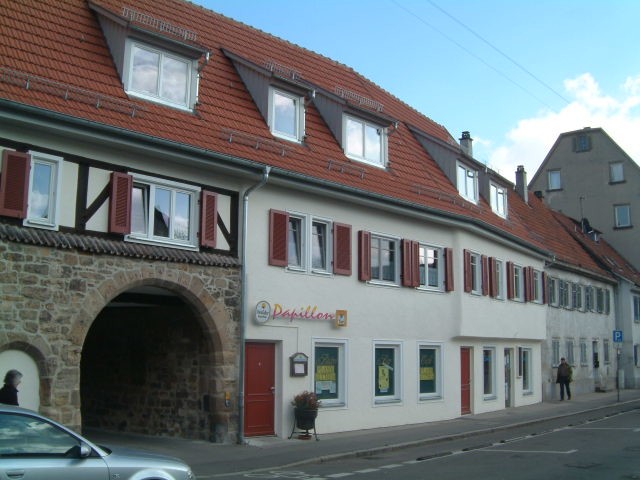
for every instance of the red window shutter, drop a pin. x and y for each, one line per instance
(545, 299)
(341, 249)
(208, 218)
(485, 275)
(14, 184)
(120, 203)
(278, 241)
(448, 280)
(510, 280)
(364, 255)
(410, 263)
(468, 280)
(493, 277)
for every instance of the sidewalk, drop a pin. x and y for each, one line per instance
(209, 460)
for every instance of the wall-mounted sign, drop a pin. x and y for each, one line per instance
(304, 313)
(263, 312)
(341, 318)
(298, 365)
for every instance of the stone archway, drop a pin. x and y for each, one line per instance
(172, 362)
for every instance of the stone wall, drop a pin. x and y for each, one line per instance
(50, 298)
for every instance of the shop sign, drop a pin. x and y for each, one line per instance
(263, 312)
(303, 313)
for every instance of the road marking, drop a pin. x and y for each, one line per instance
(393, 465)
(368, 470)
(551, 452)
(339, 475)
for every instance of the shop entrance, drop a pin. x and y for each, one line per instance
(259, 381)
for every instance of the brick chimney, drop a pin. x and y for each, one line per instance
(466, 143)
(521, 183)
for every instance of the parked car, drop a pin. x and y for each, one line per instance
(35, 447)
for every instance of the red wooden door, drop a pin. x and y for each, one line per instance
(465, 380)
(259, 386)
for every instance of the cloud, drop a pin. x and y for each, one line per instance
(531, 139)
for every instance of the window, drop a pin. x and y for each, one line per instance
(309, 244)
(589, 302)
(163, 212)
(583, 352)
(555, 182)
(329, 372)
(472, 273)
(576, 296)
(555, 352)
(622, 215)
(518, 283)
(28, 437)
(636, 308)
(430, 372)
(605, 351)
(599, 300)
(159, 76)
(44, 191)
(384, 259)
(607, 301)
(527, 380)
(553, 291)
(365, 141)
(488, 372)
(387, 374)
(636, 355)
(496, 277)
(538, 286)
(582, 143)
(616, 172)
(468, 183)
(286, 115)
(499, 200)
(563, 294)
(569, 353)
(431, 267)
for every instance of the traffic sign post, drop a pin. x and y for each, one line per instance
(617, 338)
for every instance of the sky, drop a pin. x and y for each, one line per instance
(514, 73)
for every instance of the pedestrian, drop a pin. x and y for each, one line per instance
(9, 392)
(564, 378)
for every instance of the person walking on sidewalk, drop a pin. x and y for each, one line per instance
(564, 378)
(9, 392)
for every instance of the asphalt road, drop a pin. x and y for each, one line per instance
(577, 447)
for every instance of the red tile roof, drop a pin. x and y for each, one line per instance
(62, 42)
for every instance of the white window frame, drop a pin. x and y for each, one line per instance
(583, 352)
(342, 382)
(463, 190)
(437, 371)
(606, 351)
(527, 371)
(396, 397)
(152, 184)
(501, 283)
(576, 296)
(299, 120)
(52, 220)
(538, 287)
(569, 351)
(492, 393)
(499, 197)
(381, 161)
(164, 54)
(621, 222)
(377, 237)
(307, 223)
(552, 287)
(425, 269)
(518, 283)
(476, 273)
(589, 299)
(616, 172)
(564, 290)
(636, 308)
(554, 180)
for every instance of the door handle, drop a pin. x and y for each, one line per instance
(273, 389)
(15, 473)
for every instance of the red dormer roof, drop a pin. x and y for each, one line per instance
(60, 52)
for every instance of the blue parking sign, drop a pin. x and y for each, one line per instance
(617, 336)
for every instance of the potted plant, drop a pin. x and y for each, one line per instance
(306, 410)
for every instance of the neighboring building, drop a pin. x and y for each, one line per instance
(586, 175)
(199, 220)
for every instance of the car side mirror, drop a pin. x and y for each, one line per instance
(78, 451)
(85, 450)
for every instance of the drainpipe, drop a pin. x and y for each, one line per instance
(243, 298)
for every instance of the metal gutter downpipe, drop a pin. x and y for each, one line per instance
(243, 299)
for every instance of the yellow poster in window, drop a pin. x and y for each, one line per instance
(383, 378)
(427, 373)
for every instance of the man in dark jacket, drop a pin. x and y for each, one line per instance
(9, 392)
(564, 378)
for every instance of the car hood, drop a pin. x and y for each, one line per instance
(125, 454)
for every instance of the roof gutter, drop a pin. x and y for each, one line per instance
(244, 308)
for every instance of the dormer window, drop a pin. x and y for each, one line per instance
(499, 200)
(365, 141)
(468, 183)
(159, 76)
(286, 115)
